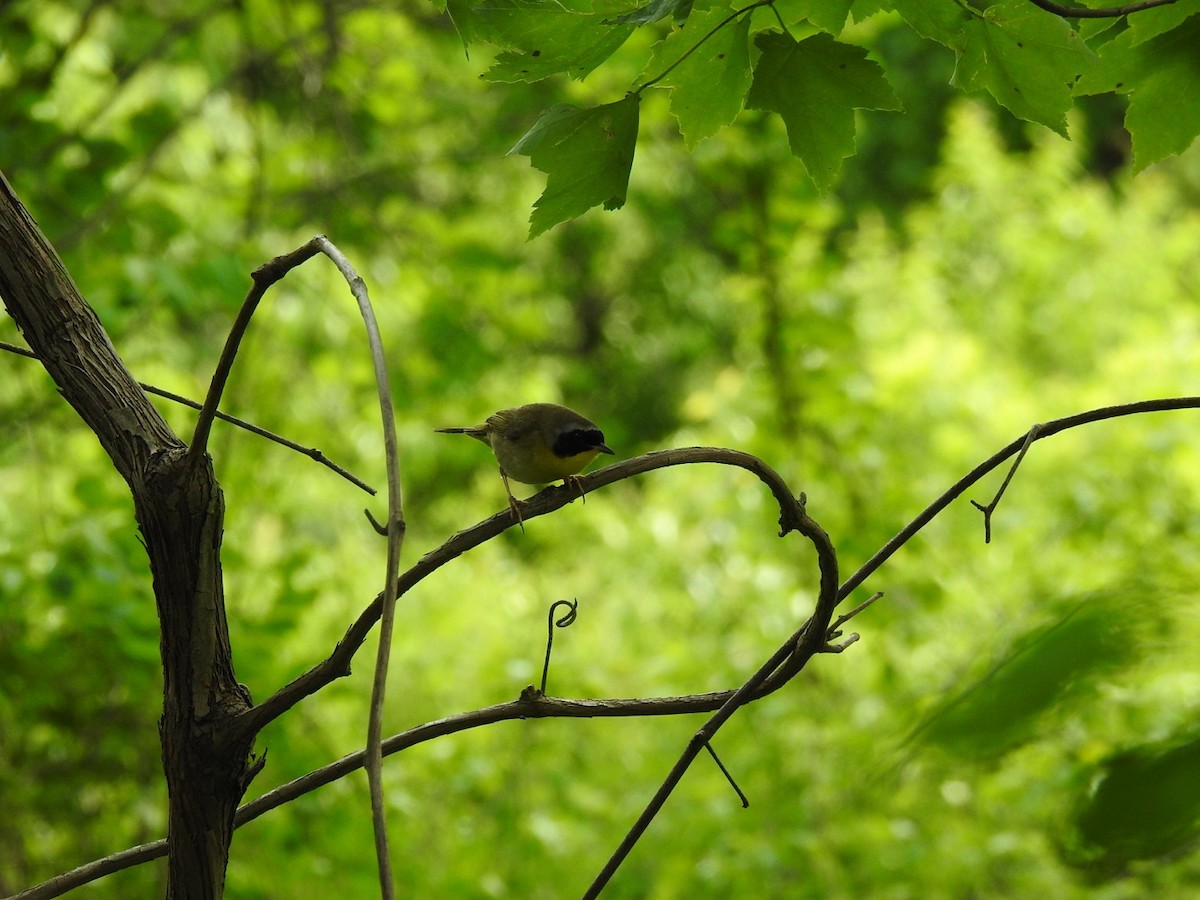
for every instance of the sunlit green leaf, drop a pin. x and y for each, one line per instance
(1162, 76)
(1025, 57)
(655, 11)
(547, 38)
(709, 85)
(828, 15)
(586, 155)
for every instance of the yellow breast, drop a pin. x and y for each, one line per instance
(538, 464)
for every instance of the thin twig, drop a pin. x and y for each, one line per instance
(1083, 12)
(846, 617)
(311, 452)
(987, 511)
(884, 553)
(728, 777)
(395, 534)
(379, 528)
(838, 648)
(263, 277)
(738, 13)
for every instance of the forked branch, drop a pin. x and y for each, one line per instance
(531, 704)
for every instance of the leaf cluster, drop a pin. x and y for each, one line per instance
(806, 61)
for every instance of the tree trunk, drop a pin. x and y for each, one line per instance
(180, 511)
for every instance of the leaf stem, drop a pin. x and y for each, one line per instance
(736, 14)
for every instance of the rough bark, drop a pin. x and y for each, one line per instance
(180, 512)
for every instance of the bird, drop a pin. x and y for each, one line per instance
(538, 443)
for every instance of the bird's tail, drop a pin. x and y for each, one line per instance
(479, 432)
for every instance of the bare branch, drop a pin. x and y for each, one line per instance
(529, 706)
(263, 277)
(790, 658)
(533, 704)
(1083, 12)
(838, 648)
(395, 536)
(337, 664)
(846, 617)
(884, 553)
(987, 511)
(311, 452)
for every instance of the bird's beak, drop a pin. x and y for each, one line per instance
(603, 448)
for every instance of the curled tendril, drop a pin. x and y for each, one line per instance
(567, 618)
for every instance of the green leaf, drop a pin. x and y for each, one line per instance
(861, 10)
(937, 21)
(1026, 58)
(586, 155)
(827, 15)
(815, 85)
(462, 16)
(708, 87)
(546, 37)
(655, 11)
(1048, 668)
(1163, 77)
(1145, 805)
(1150, 23)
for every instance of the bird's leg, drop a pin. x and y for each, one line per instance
(576, 483)
(514, 504)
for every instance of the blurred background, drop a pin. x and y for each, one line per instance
(1002, 726)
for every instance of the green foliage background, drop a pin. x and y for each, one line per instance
(1011, 711)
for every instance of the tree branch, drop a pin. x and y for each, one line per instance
(791, 656)
(531, 704)
(311, 452)
(395, 538)
(337, 664)
(263, 277)
(1045, 430)
(1084, 12)
(180, 513)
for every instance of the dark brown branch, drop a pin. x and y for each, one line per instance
(783, 664)
(180, 513)
(1055, 426)
(990, 508)
(263, 277)
(1083, 12)
(337, 664)
(311, 452)
(531, 705)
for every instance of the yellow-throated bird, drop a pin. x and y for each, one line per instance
(538, 443)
